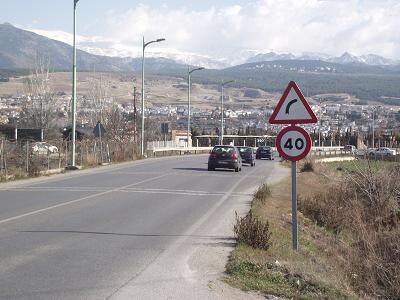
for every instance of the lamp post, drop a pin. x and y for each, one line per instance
(222, 109)
(188, 122)
(320, 123)
(74, 90)
(373, 125)
(142, 131)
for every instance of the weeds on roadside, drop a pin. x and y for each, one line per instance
(262, 193)
(365, 203)
(308, 166)
(252, 231)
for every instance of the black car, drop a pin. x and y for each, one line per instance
(226, 157)
(265, 152)
(247, 155)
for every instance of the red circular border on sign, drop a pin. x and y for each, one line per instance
(300, 130)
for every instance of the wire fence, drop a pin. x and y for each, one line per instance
(22, 159)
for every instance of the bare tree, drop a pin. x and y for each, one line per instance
(120, 130)
(41, 106)
(98, 97)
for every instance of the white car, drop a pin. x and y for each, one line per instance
(42, 148)
(381, 151)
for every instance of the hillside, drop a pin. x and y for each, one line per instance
(19, 49)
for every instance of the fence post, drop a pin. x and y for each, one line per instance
(4, 162)
(59, 157)
(27, 157)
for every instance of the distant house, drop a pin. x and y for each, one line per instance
(80, 133)
(13, 133)
(179, 137)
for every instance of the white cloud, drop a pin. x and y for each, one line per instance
(333, 27)
(297, 26)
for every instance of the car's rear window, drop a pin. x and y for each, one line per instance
(220, 150)
(243, 150)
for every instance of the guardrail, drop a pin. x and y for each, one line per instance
(318, 152)
(168, 151)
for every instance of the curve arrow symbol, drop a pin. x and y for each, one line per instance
(290, 104)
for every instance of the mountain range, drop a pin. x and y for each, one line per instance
(368, 77)
(19, 50)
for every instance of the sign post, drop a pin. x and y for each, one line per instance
(293, 142)
(99, 132)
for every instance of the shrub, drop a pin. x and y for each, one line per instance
(308, 166)
(367, 204)
(374, 264)
(252, 231)
(262, 193)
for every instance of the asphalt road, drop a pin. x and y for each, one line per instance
(151, 229)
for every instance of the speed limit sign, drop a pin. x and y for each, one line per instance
(293, 143)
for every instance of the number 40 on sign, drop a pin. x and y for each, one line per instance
(293, 143)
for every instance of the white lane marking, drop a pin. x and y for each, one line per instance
(78, 200)
(73, 174)
(125, 190)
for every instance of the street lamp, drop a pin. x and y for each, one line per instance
(188, 123)
(74, 90)
(144, 46)
(320, 122)
(222, 109)
(373, 125)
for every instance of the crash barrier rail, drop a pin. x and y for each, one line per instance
(318, 152)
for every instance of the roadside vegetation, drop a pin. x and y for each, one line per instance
(349, 228)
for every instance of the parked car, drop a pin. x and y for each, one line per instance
(247, 154)
(43, 148)
(265, 152)
(226, 157)
(350, 148)
(381, 151)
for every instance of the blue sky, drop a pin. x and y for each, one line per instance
(218, 29)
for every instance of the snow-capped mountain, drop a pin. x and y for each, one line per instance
(345, 58)
(270, 56)
(107, 47)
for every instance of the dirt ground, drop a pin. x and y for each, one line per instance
(159, 90)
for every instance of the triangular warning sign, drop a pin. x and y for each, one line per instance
(292, 108)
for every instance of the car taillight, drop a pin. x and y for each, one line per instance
(213, 155)
(234, 156)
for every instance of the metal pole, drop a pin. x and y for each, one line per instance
(27, 157)
(134, 115)
(74, 90)
(222, 114)
(188, 123)
(319, 127)
(101, 143)
(142, 129)
(295, 231)
(373, 127)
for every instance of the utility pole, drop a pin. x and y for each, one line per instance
(74, 90)
(134, 115)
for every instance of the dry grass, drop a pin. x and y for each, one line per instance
(163, 90)
(253, 232)
(362, 209)
(316, 271)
